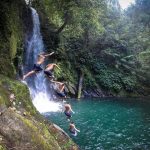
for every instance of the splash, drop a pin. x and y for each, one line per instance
(43, 104)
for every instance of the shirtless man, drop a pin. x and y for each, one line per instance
(73, 130)
(49, 70)
(37, 67)
(68, 110)
(61, 87)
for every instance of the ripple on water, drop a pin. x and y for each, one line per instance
(109, 125)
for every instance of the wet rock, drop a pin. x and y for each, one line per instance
(18, 112)
(12, 97)
(14, 103)
(95, 93)
(22, 127)
(21, 132)
(27, 133)
(12, 108)
(86, 94)
(24, 113)
(71, 88)
(3, 108)
(66, 89)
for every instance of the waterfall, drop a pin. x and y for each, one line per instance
(41, 90)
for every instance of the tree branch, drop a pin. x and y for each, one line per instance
(66, 20)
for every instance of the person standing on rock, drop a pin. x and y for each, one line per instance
(73, 130)
(37, 66)
(49, 70)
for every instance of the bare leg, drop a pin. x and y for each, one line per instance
(56, 82)
(28, 74)
(62, 88)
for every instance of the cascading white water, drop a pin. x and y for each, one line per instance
(40, 89)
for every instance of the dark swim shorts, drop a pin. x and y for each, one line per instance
(73, 132)
(37, 67)
(48, 73)
(61, 94)
(68, 114)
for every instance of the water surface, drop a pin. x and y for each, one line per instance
(110, 124)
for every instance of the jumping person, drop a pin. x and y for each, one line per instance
(61, 87)
(73, 130)
(68, 111)
(37, 66)
(49, 70)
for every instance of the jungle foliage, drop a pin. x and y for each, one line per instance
(109, 45)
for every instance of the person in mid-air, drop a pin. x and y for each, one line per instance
(49, 70)
(37, 66)
(73, 130)
(61, 89)
(68, 110)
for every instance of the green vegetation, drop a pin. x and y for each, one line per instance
(109, 46)
(8, 86)
(21, 126)
(40, 135)
(96, 37)
(10, 35)
(2, 148)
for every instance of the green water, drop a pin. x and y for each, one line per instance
(109, 124)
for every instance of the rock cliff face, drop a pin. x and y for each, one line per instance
(21, 126)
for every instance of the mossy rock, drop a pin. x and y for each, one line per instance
(29, 133)
(25, 133)
(21, 92)
(29, 130)
(11, 32)
(3, 97)
(2, 148)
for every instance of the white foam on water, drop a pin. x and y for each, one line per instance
(43, 104)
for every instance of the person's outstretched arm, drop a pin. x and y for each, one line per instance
(53, 81)
(41, 56)
(77, 130)
(72, 110)
(57, 66)
(49, 54)
(56, 82)
(47, 65)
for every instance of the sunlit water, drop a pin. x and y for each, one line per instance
(109, 124)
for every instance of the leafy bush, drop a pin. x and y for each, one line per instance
(129, 83)
(98, 66)
(89, 80)
(109, 79)
(66, 73)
